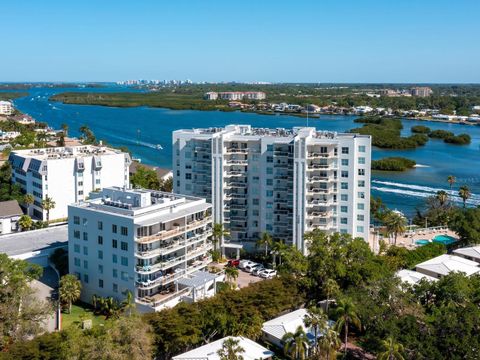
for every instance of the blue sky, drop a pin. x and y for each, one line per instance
(262, 40)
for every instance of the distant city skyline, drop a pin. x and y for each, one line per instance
(347, 41)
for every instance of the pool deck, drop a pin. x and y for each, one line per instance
(408, 239)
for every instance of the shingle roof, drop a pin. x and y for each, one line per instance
(10, 208)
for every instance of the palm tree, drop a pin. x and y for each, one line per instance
(48, 204)
(95, 299)
(317, 320)
(64, 129)
(346, 316)
(28, 200)
(278, 249)
(451, 180)
(218, 233)
(330, 343)
(331, 288)
(393, 350)
(295, 345)
(265, 240)
(231, 275)
(70, 289)
(25, 222)
(465, 194)
(395, 224)
(231, 350)
(128, 305)
(442, 197)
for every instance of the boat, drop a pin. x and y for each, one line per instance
(159, 147)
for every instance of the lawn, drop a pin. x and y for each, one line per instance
(80, 312)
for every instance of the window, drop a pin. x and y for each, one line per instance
(124, 246)
(344, 174)
(344, 197)
(344, 162)
(269, 182)
(360, 229)
(76, 220)
(256, 202)
(361, 195)
(85, 250)
(361, 183)
(76, 234)
(124, 230)
(361, 148)
(114, 243)
(100, 225)
(115, 287)
(100, 269)
(270, 147)
(124, 276)
(76, 248)
(188, 176)
(97, 181)
(85, 264)
(100, 283)
(76, 261)
(85, 278)
(84, 221)
(85, 236)
(269, 193)
(361, 206)
(344, 150)
(100, 240)
(360, 217)
(269, 170)
(124, 261)
(343, 231)
(115, 273)
(361, 172)
(344, 186)
(361, 160)
(343, 209)
(114, 259)
(269, 205)
(100, 254)
(344, 221)
(269, 159)
(114, 228)
(80, 183)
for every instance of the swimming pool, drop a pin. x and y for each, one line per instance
(444, 239)
(422, 242)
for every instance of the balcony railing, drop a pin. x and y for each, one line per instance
(161, 265)
(174, 246)
(162, 280)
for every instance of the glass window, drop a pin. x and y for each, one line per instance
(361, 148)
(269, 193)
(269, 182)
(360, 217)
(114, 259)
(124, 261)
(361, 195)
(344, 150)
(343, 231)
(115, 273)
(76, 220)
(124, 276)
(361, 183)
(344, 186)
(100, 225)
(85, 264)
(124, 230)
(344, 197)
(344, 221)
(85, 236)
(85, 250)
(115, 287)
(124, 246)
(269, 170)
(76, 248)
(360, 229)
(100, 283)
(100, 254)
(114, 228)
(76, 234)
(361, 160)
(269, 159)
(85, 278)
(100, 240)
(345, 162)
(76, 261)
(114, 243)
(343, 209)
(100, 269)
(361, 172)
(361, 206)
(344, 174)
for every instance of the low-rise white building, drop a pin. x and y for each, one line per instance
(211, 95)
(6, 108)
(67, 174)
(445, 264)
(8, 135)
(413, 277)
(251, 350)
(469, 253)
(152, 244)
(10, 212)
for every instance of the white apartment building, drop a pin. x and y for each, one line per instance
(211, 95)
(67, 174)
(6, 108)
(150, 243)
(284, 182)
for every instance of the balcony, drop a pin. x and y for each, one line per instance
(162, 280)
(232, 173)
(199, 251)
(159, 301)
(318, 155)
(161, 265)
(236, 162)
(233, 150)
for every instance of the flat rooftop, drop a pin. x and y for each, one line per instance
(35, 240)
(66, 152)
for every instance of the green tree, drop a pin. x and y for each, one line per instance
(218, 233)
(128, 304)
(451, 181)
(393, 350)
(395, 224)
(231, 350)
(25, 222)
(231, 275)
(167, 184)
(442, 197)
(48, 204)
(331, 289)
(346, 317)
(265, 241)
(8, 190)
(329, 343)
(316, 320)
(466, 224)
(70, 289)
(295, 345)
(87, 136)
(465, 194)
(145, 178)
(64, 128)
(28, 200)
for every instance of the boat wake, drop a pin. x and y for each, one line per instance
(139, 143)
(419, 191)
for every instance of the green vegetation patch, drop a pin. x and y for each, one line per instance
(450, 138)
(11, 95)
(79, 313)
(420, 129)
(393, 164)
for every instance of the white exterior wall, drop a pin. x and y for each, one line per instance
(6, 108)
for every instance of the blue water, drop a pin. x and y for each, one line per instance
(141, 129)
(444, 239)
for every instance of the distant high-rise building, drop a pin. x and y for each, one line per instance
(421, 91)
(67, 174)
(284, 182)
(6, 108)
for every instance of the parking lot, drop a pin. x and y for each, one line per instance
(245, 278)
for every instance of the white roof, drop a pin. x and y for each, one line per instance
(413, 277)
(445, 264)
(473, 252)
(252, 350)
(286, 323)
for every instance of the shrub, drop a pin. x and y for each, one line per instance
(440, 134)
(420, 129)
(393, 164)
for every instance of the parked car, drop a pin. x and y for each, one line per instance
(268, 273)
(233, 262)
(258, 269)
(249, 268)
(244, 263)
